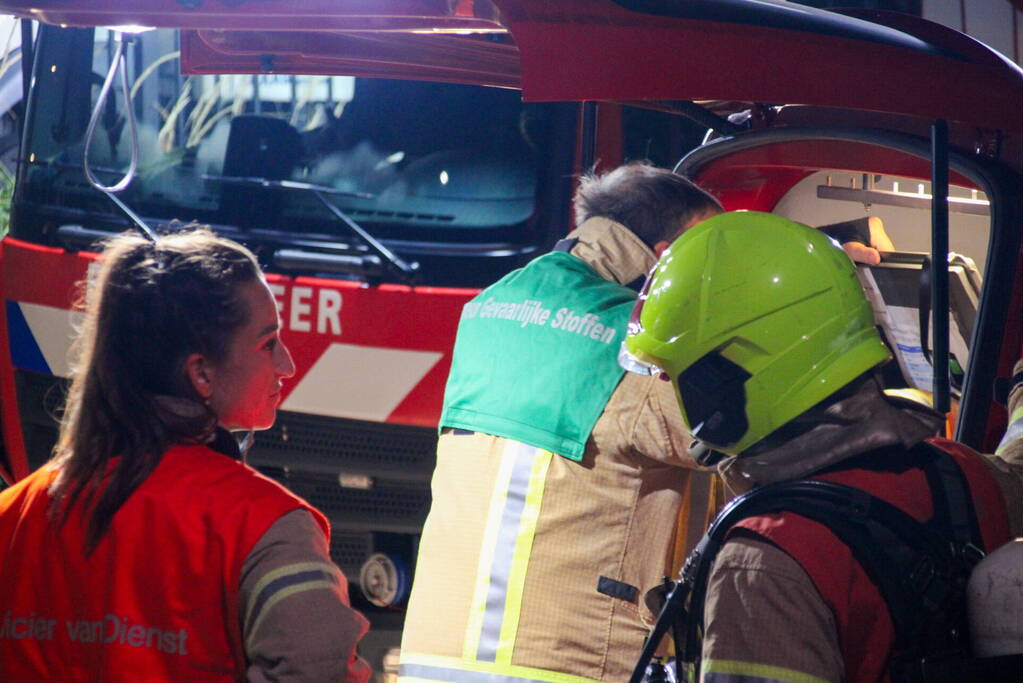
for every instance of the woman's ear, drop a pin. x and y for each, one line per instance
(200, 374)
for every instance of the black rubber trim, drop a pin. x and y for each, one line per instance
(785, 16)
(566, 245)
(617, 589)
(637, 284)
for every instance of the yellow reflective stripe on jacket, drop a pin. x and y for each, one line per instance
(507, 542)
(422, 668)
(520, 558)
(732, 671)
(1013, 432)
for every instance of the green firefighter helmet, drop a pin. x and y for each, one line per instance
(755, 319)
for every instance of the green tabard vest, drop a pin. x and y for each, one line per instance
(535, 359)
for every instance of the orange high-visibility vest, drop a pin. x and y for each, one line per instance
(157, 600)
(865, 629)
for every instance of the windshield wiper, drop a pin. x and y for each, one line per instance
(406, 269)
(257, 181)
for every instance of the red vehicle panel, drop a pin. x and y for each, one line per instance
(416, 324)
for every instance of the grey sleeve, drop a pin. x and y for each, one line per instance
(297, 624)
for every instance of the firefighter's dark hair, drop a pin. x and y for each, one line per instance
(654, 203)
(150, 306)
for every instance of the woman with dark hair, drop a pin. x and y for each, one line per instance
(145, 549)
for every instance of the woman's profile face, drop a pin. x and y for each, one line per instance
(245, 388)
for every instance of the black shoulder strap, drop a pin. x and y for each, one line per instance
(919, 569)
(950, 493)
(901, 556)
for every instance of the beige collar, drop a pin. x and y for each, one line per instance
(613, 250)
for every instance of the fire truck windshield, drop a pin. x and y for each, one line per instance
(426, 166)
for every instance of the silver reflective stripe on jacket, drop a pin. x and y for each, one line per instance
(439, 673)
(504, 551)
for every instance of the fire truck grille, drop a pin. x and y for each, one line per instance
(384, 506)
(371, 480)
(379, 504)
(310, 442)
(349, 551)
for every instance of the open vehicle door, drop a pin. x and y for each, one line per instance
(276, 125)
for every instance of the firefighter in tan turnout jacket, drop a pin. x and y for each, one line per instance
(559, 482)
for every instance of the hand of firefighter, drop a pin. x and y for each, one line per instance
(863, 239)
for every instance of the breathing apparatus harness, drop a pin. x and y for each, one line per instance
(920, 569)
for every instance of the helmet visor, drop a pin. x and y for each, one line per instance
(626, 359)
(633, 363)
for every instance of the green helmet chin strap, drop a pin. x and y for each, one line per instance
(755, 319)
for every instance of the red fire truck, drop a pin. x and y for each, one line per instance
(387, 158)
